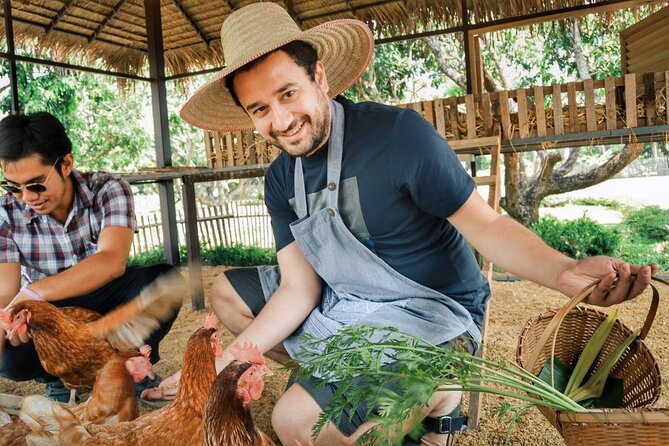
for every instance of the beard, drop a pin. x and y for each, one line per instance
(318, 127)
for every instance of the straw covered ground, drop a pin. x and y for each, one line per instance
(512, 305)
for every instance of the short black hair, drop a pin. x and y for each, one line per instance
(303, 53)
(25, 135)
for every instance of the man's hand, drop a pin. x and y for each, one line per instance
(618, 280)
(17, 338)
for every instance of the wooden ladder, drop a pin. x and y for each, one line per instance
(467, 151)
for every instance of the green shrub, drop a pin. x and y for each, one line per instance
(578, 238)
(235, 255)
(649, 223)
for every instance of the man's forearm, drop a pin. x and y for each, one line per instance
(521, 252)
(86, 276)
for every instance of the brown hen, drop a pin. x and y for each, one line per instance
(73, 344)
(113, 398)
(179, 423)
(227, 416)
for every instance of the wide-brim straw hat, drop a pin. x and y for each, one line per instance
(344, 47)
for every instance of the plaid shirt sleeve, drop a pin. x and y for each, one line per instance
(9, 252)
(116, 205)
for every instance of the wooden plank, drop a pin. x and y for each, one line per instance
(630, 100)
(229, 149)
(540, 111)
(439, 118)
(453, 118)
(666, 96)
(486, 113)
(250, 147)
(649, 97)
(611, 112)
(239, 148)
(416, 106)
(470, 110)
(460, 144)
(505, 116)
(573, 107)
(655, 62)
(523, 121)
(428, 112)
(209, 153)
(558, 121)
(220, 151)
(590, 117)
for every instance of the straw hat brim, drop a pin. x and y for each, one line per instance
(344, 47)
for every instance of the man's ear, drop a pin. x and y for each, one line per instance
(321, 78)
(67, 164)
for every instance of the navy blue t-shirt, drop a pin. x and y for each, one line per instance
(399, 182)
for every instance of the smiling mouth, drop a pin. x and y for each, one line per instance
(294, 132)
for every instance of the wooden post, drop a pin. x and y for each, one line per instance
(523, 121)
(486, 112)
(630, 100)
(558, 121)
(192, 244)
(590, 118)
(540, 111)
(611, 111)
(505, 116)
(470, 116)
(573, 107)
(439, 117)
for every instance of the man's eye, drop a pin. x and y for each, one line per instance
(289, 94)
(259, 110)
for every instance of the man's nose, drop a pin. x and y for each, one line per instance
(281, 118)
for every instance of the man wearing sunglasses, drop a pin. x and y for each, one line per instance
(65, 237)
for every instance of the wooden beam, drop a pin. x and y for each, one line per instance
(59, 15)
(528, 19)
(190, 21)
(193, 245)
(11, 56)
(107, 19)
(154, 36)
(290, 7)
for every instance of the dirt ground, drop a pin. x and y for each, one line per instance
(513, 303)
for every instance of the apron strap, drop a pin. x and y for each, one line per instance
(335, 150)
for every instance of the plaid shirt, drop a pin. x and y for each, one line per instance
(45, 247)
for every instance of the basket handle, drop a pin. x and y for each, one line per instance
(555, 323)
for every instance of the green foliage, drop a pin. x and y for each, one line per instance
(578, 238)
(235, 255)
(239, 255)
(650, 224)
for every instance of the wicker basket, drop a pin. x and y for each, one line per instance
(564, 333)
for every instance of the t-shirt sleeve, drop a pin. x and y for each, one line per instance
(117, 205)
(430, 170)
(279, 208)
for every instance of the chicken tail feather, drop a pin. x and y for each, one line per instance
(51, 423)
(127, 326)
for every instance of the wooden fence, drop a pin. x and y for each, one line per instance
(236, 222)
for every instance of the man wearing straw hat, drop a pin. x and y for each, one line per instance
(370, 210)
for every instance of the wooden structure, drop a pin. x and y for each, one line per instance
(467, 150)
(627, 109)
(644, 46)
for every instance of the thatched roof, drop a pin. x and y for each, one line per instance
(112, 33)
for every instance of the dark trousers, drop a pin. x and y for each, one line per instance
(22, 363)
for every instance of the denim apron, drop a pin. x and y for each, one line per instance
(358, 286)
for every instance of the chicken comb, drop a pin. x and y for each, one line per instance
(211, 321)
(249, 352)
(146, 351)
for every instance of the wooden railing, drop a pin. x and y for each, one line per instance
(233, 223)
(624, 109)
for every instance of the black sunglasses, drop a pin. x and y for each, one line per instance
(32, 187)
